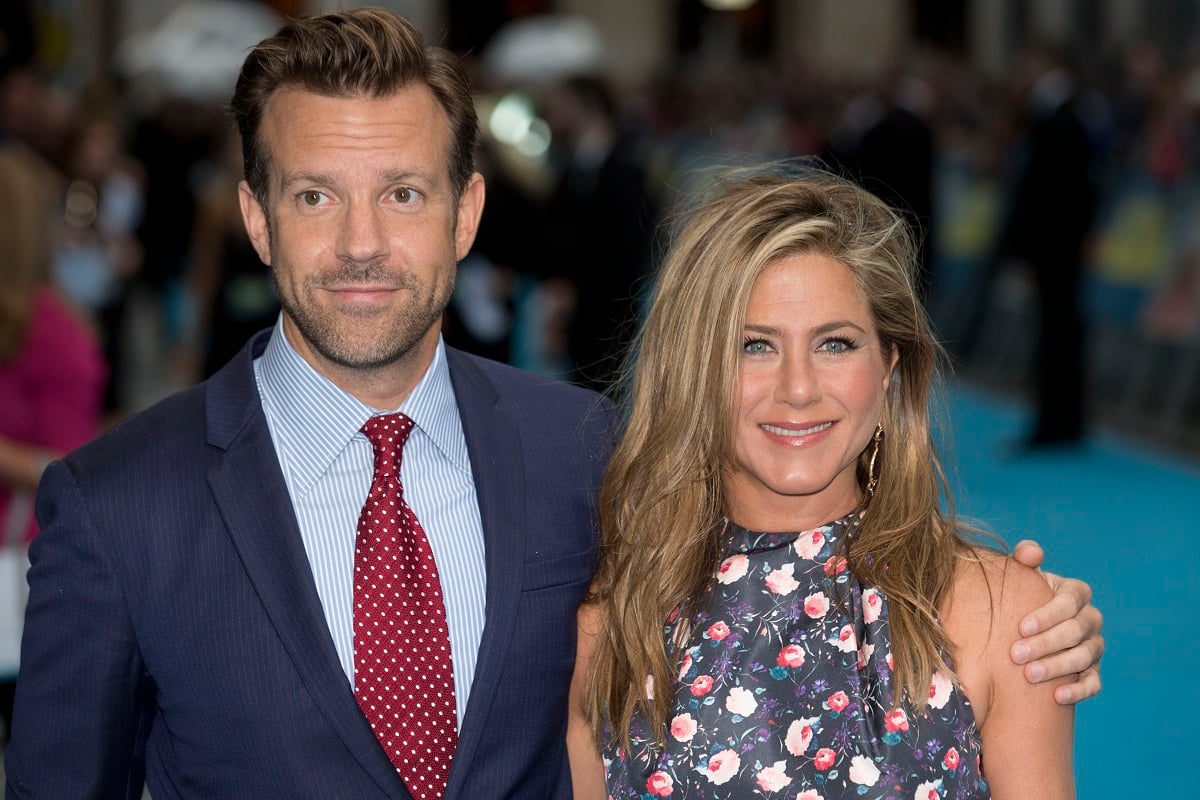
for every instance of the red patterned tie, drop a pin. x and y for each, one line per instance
(402, 675)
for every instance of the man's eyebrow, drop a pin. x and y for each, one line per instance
(389, 176)
(306, 177)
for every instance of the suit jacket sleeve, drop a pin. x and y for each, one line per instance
(79, 718)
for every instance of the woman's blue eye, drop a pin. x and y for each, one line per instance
(755, 346)
(838, 345)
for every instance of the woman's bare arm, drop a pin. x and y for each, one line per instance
(587, 770)
(1027, 736)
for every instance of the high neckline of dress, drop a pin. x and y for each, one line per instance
(736, 538)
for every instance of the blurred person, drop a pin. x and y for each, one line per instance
(229, 287)
(193, 593)
(599, 224)
(200, 603)
(52, 373)
(887, 144)
(783, 605)
(506, 260)
(1172, 311)
(35, 111)
(1051, 210)
(175, 139)
(96, 251)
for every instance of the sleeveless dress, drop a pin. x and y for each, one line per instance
(785, 690)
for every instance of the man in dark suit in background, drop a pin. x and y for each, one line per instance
(1051, 212)
(195, 595)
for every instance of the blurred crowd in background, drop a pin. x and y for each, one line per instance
(1059, 205)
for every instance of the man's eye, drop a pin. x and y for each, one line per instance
(311, 198)
(404, 195)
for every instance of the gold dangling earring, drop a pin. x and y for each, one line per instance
(873, 466)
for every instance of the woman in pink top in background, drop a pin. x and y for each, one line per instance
(52, 374)
(52, 377)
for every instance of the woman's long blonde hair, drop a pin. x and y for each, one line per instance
(663, 496)
(24, 242)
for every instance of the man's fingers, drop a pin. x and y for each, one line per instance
(1060, 662)
(1029, 553)
(1085, 686)
(1071, 601)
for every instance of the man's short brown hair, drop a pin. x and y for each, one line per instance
(366, 52)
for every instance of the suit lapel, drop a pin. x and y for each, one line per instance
(494, 445)
(250, 493)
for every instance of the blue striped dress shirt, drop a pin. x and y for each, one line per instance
(328, 466)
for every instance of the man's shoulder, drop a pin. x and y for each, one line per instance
(549, 409)
(161, 426)
(509, 381)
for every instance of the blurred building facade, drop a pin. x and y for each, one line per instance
(858, 37)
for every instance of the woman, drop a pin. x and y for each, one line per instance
(51, 383)
(831, 631)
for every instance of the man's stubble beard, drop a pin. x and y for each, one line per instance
(332, 334)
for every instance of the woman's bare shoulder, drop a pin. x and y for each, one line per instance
(988, 584)
(988, 596)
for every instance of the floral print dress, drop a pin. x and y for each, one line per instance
(785, 690)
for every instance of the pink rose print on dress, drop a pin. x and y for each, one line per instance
(660, 783)
(863, 771)
(792, 710)
(718, 631)
(683, 728)
(772, 778)
(846, 641)
(780, 581)
(872, 602)
(733, 569)
(791, 656)
(685, 665)
(835, 565)
(816, 605)
(722, 766)
(799, 736)
(808, 545)
(896, 720)
(939, 690)
(927, 791)
(741, 702)
(864, 654)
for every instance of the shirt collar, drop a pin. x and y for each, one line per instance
(317, 420)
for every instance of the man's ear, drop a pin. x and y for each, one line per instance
(254, 216)
(470, 210)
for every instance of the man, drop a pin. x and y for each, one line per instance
(195, 602)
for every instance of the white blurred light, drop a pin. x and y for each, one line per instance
(514, 122)
(542, 49)
(729, 5)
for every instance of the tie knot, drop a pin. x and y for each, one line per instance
(387, 433)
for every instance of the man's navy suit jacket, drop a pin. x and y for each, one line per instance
(173, 619)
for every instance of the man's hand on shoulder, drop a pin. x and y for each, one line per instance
(1063, 636)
